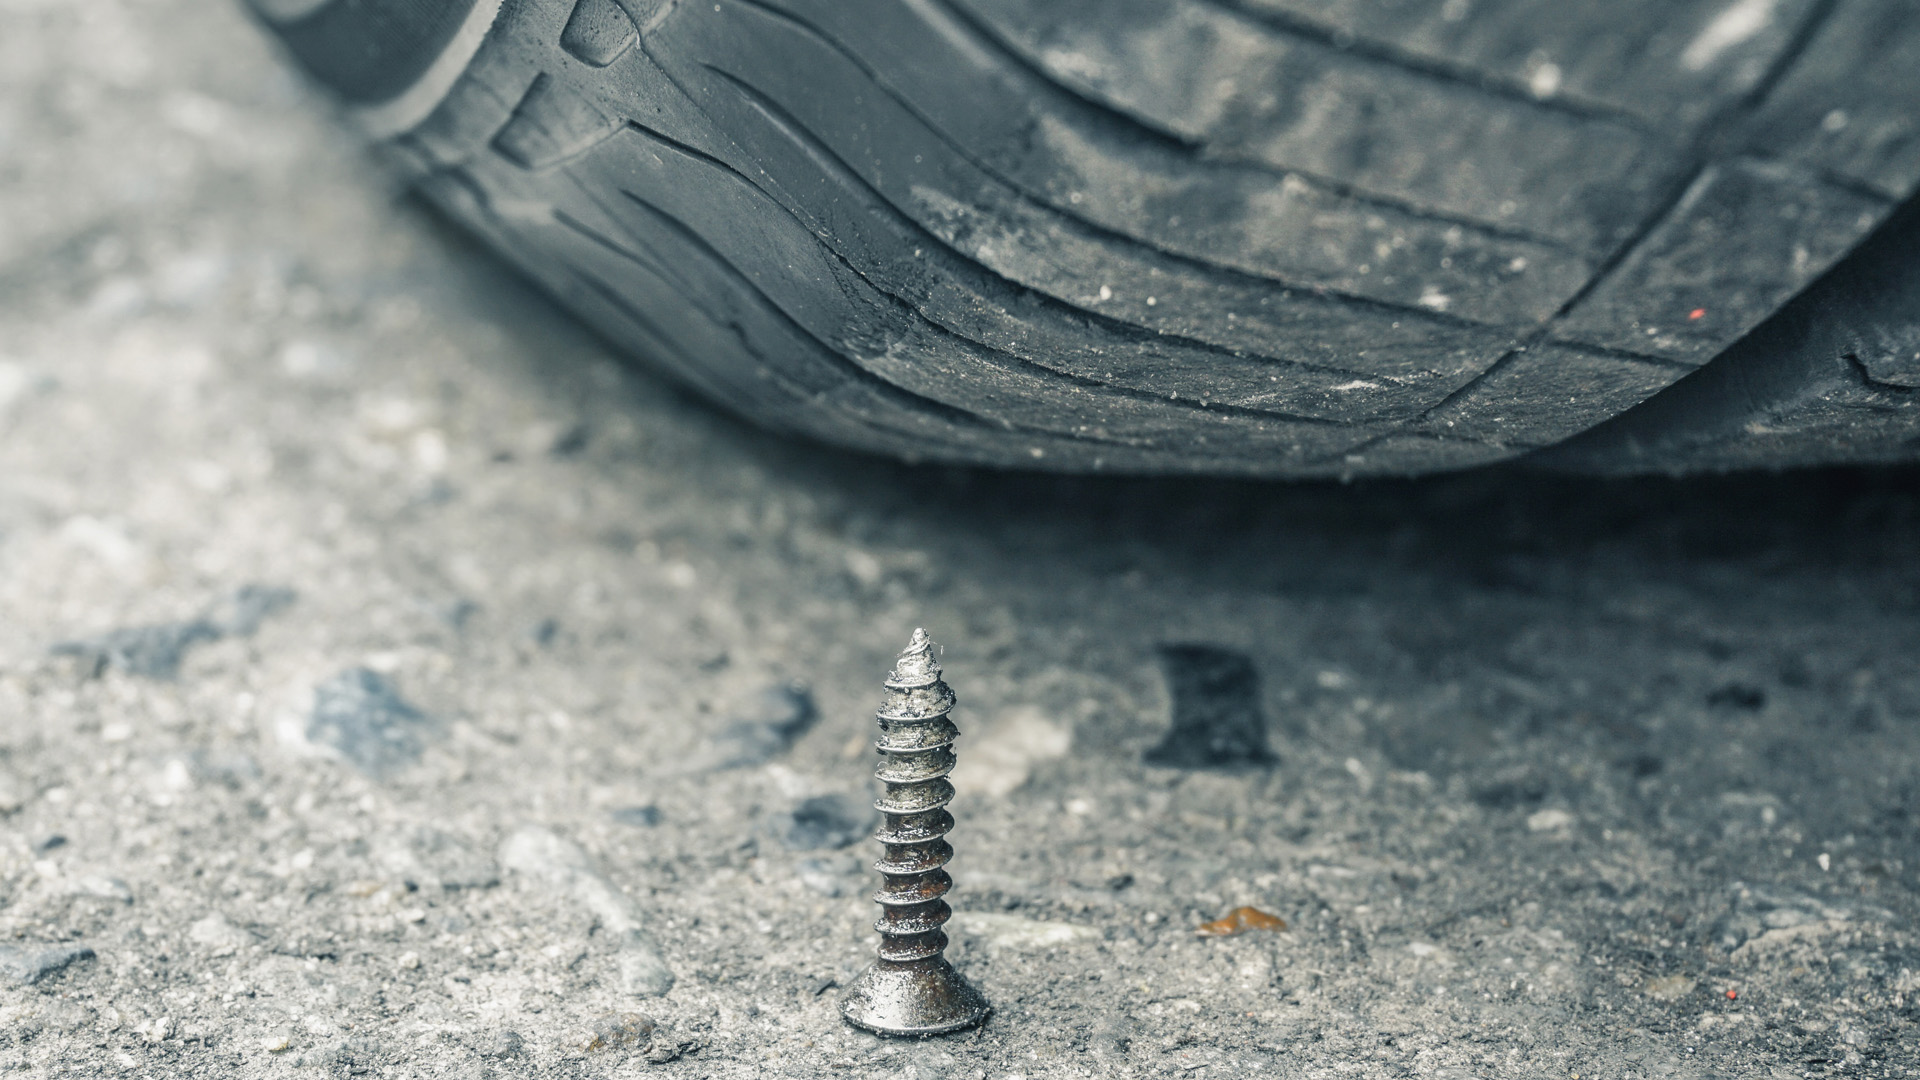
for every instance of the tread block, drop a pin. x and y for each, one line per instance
(1243, 91)
(1549, 393)
(668, 274)
(1103, 309)
(1669, 62)
(1895, 363)
(1745, 237)
(965, 152)
(1852, 102)
(1306, 340)
(551, 124)
(1815, 383)
(1832, 427)
(598, 32)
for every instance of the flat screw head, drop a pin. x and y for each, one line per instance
(911, 989)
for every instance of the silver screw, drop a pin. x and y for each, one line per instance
(911, 989)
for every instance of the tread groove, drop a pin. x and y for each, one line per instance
(1295, 28)
(1859, 369)
(1193, 151)
(1405, 311)
(1675, 197)
(689, 236)
(873, 380)
(1701, 159)
(1810, 25)
(951, 413)
(837, 169)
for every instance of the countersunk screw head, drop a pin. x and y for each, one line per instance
(911, 989)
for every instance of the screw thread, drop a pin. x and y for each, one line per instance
(916, 748)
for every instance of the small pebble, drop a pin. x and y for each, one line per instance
(410, 961)
(618, 1031)
(1669, 987)
(50, 842)
(277, 1040)
(643, 816)
(1014, 932)
(101, 887)
(664, 1049)
(1549, 820)
(501, 1043)
(219, 935)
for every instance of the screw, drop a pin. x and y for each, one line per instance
(911, 989)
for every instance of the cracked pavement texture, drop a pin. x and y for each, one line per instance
(1571, 778)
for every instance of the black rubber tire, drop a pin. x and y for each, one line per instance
(1260, 237)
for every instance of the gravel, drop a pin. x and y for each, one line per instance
(1515, 819)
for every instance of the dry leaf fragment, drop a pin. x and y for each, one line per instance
(1239, 921)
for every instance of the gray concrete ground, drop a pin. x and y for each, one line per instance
(393, 684)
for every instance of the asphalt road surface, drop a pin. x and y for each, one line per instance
(394, 683)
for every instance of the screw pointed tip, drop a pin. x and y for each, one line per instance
(916, 660)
